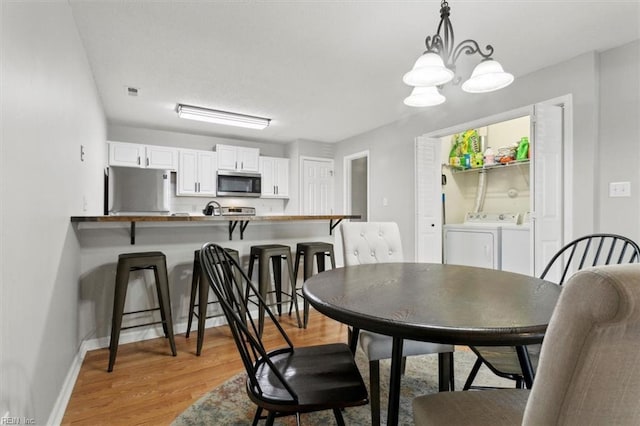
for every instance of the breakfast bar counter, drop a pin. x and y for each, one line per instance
(101, 239)
(233, 220)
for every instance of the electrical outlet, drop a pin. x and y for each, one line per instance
(385, 202)
(619, 189)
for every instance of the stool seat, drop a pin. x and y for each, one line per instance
(200, 286)
(128, 262)
(141, 255)
(274, 253)
(310, 250)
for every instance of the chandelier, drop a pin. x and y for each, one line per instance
(437, 66)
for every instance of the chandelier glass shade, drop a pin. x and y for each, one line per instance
(487, 76)
(429, 70)
(437, 66)
(422, 96)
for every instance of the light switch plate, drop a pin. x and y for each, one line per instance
(619, 189)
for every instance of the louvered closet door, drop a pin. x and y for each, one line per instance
(548, 203)
(428, 200)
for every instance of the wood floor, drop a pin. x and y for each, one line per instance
(150, 387)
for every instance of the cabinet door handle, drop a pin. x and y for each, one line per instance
(242, 165)
(138, 160)
(147, 162)
(236, 166)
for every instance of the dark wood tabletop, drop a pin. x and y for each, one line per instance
(437, 303)
(459, 305)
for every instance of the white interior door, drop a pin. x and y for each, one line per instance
(428, 200)
(317, 186)
(548, 194)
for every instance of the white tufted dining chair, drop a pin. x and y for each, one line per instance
(371, 242)
(379, 242)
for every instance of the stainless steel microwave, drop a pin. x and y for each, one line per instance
(238, 184)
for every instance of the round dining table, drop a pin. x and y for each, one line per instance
(460, 305)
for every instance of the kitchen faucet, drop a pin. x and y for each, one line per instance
(209, 210)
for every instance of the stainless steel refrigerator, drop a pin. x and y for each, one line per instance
(137, 191)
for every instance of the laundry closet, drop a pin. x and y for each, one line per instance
(487, 196)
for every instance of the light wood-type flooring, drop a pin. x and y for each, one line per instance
(148, 386)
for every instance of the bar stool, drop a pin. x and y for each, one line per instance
(203, 295)
(310, 250)
(275, 253)
(128, 262)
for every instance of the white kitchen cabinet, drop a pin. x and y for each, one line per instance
(196, 173)
(125, 154)
(275, 177)
(238, 158)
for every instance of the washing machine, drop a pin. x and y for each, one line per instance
(516, 247)
(478, 240)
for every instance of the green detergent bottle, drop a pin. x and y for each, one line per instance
(523, 149)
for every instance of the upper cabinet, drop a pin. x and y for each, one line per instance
(275, 177)
(238, 158)
(196, 173)
(142, 156)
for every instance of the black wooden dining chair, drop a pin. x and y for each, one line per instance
(587, 251)
(287, 380)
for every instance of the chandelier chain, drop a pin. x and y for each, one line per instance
(443, 41)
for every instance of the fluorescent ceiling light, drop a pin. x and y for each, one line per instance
(222, 117)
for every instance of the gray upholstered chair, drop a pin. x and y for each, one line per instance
(379, 242)
(588, 370)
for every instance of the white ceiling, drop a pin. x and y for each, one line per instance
(323, 70)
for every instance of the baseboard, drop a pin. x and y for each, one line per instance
(60, 406)
(139, 335)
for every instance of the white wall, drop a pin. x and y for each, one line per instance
(619, 148)
(50, 108)
(391, 146)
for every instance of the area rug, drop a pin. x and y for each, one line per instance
(229, 404)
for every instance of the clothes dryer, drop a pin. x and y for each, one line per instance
(477, 241)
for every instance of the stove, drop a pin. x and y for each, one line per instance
(237, 211)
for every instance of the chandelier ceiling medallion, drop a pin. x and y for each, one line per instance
(437, 66)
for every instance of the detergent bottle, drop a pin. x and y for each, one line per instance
(522, 152)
